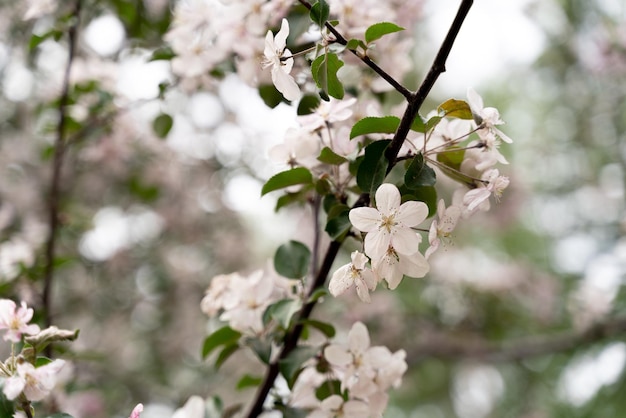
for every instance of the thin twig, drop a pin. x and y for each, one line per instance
(339, 38)
(415, 102)
(59, 154)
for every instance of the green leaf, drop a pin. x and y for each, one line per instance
(270, 95)
(298, 175)
(307, 105)
(375, 125)
(228, 351)
(327, 329)
(456, 109)
(291, 198)
(164, 53)
(418, 124)
(318, 293)
(290, 366)
(262, 348)
(378, 30)
(162, 125)
(339, 224)
(328, 156)
(320, 12)
(452, 157)
(328, 388)
(373, 168)
(432, 122)
(247, 380)
(292, 260)
(324, 70)
(283, 310)
(354, 44)
(223, 336)
(60, 415)
(419, 174)
(426, 194)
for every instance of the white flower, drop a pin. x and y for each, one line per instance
(443, 226)
(486, 117)
(15, 320)
(327, 113)
(247, 299)
(354, 274)
(394, 265)
(390, 223)
(300, 148)
(495, 185)
(275, 51)
(36, 383)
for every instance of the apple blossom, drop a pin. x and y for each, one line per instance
(393, 265)
(15, 320)
(442, 227)
(300, 148)
(390, 223)
(495, 185)
(328, 113)
(354, 274)
(35, 383)
(275, 51)
(486, 117)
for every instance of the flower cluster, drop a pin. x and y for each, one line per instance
(242, 300)
(365, 374)
(22, 377)
(391, 244)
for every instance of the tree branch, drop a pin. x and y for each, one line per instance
(455, 348)
(385, 75)
(415, 102)
(437, 68)
(59, 154)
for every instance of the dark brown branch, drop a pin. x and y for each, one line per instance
(57, 165)
(437, 68)
(385, 75)
(415, 102)
(456, 348)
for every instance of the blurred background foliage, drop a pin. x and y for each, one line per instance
(545, 263)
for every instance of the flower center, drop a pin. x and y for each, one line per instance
(388, 222)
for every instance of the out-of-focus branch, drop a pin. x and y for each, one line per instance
(452, 347)
(57, 165)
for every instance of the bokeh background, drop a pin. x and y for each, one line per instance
(497, 329)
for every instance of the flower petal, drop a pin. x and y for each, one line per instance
(377, 243)
(387, 198)
(414, 265)
(358, 338)
(412, 213)
(285, 84)
(406, 241)
(364, 219)
(341, 280)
